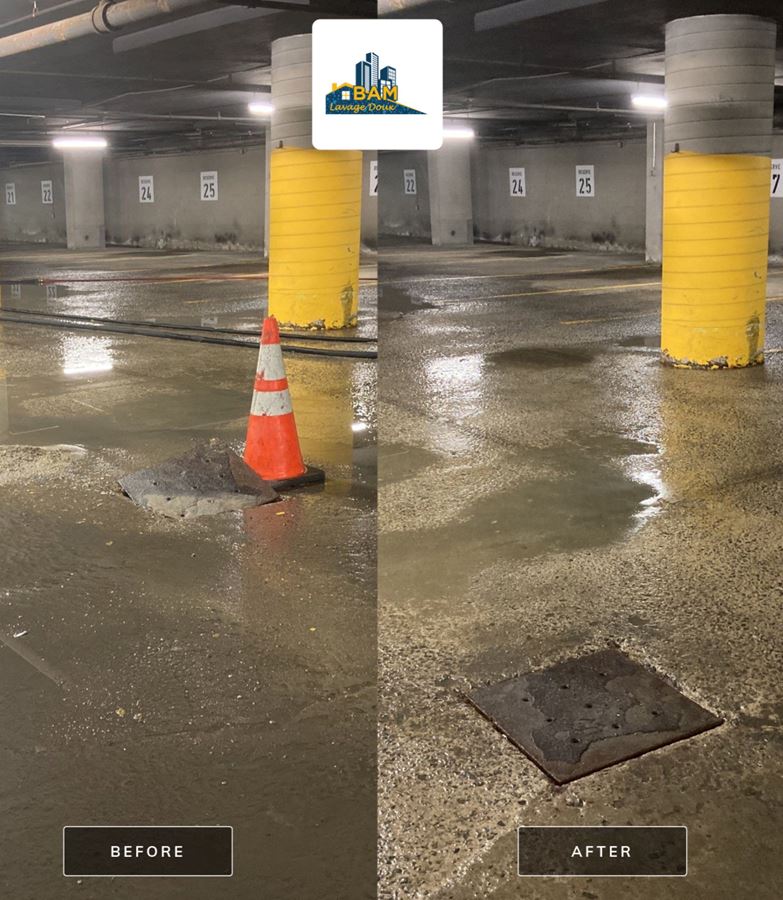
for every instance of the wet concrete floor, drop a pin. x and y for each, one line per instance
(179, 672)
(548, 488)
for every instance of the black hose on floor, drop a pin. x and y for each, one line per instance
(292, 335)
(175, 336)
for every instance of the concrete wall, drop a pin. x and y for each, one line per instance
(31, 220)
(551, 214)
(178, 219)
(400, 213)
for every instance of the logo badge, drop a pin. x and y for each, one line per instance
(377, 84)
(375, 93)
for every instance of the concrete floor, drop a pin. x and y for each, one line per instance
(179, 672)
(547, 488)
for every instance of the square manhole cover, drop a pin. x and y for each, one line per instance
(591, 712)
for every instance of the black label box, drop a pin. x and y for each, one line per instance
(621, 850)
(137, 851)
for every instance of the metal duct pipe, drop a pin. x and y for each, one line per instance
(292, 76)
(106, 17)
(391, 7)
(24, 142)
(720, 84)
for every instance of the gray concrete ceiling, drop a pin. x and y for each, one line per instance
(161, 85)
(507, 61)
(202, 63)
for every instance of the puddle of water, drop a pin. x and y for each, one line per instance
(396, 462)
(653, 341)
(594, 502)
(394, 300)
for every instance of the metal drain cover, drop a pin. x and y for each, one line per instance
(591, 712)
(203, 482)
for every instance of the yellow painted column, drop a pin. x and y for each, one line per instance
(315, 234)
(715, 240)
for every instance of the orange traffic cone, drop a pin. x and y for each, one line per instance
(272, 445)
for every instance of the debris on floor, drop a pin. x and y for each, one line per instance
(203, 482)
(22, 463)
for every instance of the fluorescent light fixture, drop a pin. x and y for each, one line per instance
(649, 101)
(260, 108)
(80, 143)
(459, 132)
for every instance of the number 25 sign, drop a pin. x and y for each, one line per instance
(585, 181)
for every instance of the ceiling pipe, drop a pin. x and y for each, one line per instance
(392, 7)
(108, 16)
(24, 142)
(40, 14)
(501, 103)
(128, 115)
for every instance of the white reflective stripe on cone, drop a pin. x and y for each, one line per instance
(270, 362)
(271, 403)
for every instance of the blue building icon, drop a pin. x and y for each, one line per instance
(388, 76)
(372, 59)
(364, 74)
(369, 74)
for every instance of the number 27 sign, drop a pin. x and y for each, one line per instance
(776, 187)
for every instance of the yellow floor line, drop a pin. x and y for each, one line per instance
(607, 318)
(520, 275)
(579, 290)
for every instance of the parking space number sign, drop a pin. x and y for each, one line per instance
(585, 181)
(776, 187)
(209, 185)
(146, 188)
(516, 183)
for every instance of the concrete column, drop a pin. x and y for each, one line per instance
(314, 206)
(720, 83)
(451, 201)
(267, 164)
(292, 78)
(85, 222)
(654, 205)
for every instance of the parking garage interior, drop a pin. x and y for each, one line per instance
(547, 487)
(162, 670)
(573, 381)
